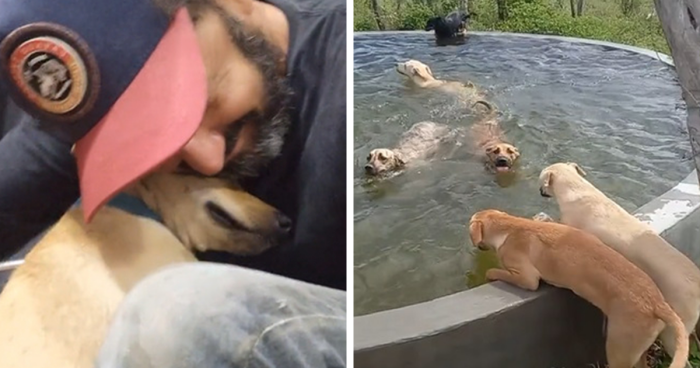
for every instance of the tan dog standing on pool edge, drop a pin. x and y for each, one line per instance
(583, 206)
(57, 306)
(570, 258)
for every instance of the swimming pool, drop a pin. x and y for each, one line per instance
(617, 113)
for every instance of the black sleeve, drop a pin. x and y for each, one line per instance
(308, 180)
(38, 181)
(322, 217)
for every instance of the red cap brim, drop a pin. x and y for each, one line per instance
(150, 122)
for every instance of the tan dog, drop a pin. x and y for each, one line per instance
(419, 142)
(585, 207)
(422, 76)
(489, 143)
(570, 258)
(56, 308)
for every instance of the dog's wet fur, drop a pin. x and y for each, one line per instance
(468, 93)
(490, 144)
(418, 143)
(450, 27)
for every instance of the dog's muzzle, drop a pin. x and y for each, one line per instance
(543, 193)
(284, 224)
(369, 169)
(502, 162)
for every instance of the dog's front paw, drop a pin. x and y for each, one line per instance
(492, 274)
(543, 217)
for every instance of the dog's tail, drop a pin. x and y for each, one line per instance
(490, 108)
(666, 314)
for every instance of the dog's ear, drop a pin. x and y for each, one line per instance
(578, 168)
(516, 152)
(399, 160)
(548, 177)
(476, 232)
(418, 73)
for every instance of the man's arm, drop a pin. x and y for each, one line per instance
(38, 181)
(320, 239)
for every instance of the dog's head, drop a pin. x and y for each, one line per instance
(416, 71)
(502, 156)
(463, 19)
(383, 160)
(432, 23)
(483, 230)
(558, 173)
(212, 214)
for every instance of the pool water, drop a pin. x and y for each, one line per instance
(616, 113)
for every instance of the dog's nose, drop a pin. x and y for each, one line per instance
(369, 169)
(543, 194)
(502, 161)
(284, 223)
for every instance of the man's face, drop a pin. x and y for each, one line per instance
(246, 116)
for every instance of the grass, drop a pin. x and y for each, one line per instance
(658, 359)
(601, 19)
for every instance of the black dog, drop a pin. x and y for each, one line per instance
(449, 27)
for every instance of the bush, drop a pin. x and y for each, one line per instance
(414, 17)
(543, 19)
(363, 19)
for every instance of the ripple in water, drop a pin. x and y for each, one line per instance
(618, 114)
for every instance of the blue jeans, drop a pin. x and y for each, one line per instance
(208, 315)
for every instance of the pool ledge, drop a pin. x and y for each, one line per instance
(651, 53)
(477, 325)
(548, 328)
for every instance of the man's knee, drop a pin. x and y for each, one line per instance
(212, 313)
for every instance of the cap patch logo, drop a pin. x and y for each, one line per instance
(49, 73)
(46, 64)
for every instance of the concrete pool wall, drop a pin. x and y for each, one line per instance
(498, 325)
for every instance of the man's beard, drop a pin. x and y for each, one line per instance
(271, 123)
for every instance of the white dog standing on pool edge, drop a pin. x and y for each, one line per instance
(585, 207)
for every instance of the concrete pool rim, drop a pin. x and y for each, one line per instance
(638, 50)
(382, 330)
